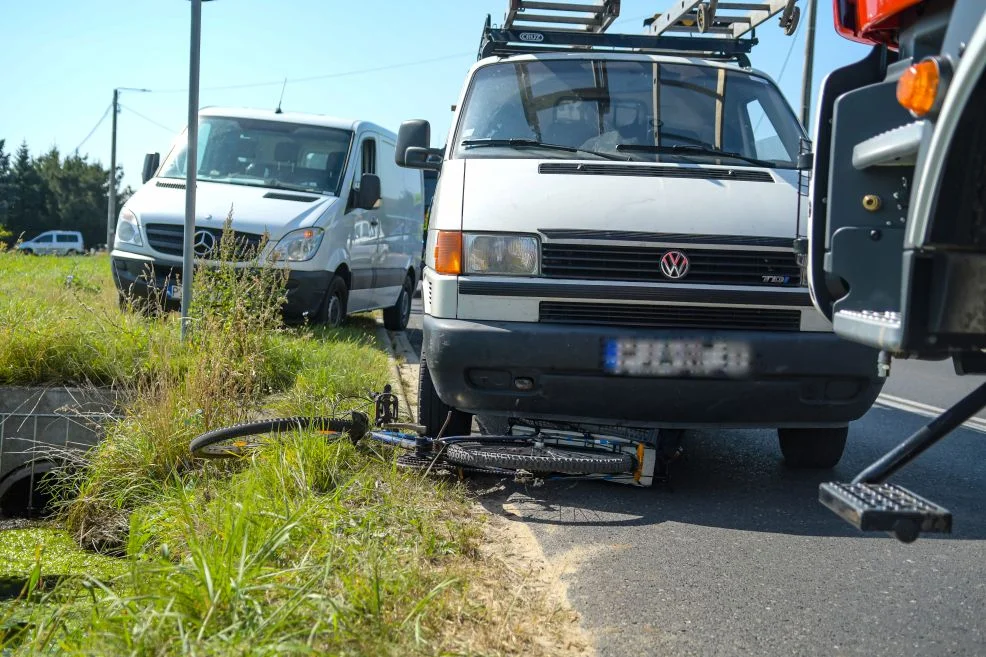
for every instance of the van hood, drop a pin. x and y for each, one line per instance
(254, 209)
(526, 195)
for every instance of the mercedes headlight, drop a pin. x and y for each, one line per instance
(128, 228)
(516, 255)
(298, 245)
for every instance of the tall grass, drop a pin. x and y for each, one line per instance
(306, 547)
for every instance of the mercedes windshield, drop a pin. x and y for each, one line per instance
(263, 153)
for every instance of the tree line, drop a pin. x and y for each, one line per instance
(52, 192)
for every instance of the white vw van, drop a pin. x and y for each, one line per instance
(612, 242)
(337, 211)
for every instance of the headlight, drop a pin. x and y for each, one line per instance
(128, 228)
(298, 245)
(517, 255)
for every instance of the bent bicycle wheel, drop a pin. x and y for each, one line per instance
(525, 454)
(240, 439)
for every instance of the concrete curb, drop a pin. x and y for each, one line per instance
(404, 369)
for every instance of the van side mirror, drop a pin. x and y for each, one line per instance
(414, 146)
(151, 163)
(806, 161)
(369, 191)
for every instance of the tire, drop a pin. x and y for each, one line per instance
(27, 252)
(433, 412)
(523, 455)
(333, 310)
(396, 317)
(228, 442)
(71, 252)
(812, 448)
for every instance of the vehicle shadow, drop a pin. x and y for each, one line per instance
(736, 480)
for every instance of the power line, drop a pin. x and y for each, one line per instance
(787, 58)
(94, 128)
(148, 119)
(327, 76)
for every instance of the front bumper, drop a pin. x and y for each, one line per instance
(140, 278)
(795, 379)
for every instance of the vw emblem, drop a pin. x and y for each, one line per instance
(674, 264)
(203, 242)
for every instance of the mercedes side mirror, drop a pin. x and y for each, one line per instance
(369, 191)
(151, 163)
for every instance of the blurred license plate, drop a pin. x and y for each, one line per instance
(632, 357)
(174, 292)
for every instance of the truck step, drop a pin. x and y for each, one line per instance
(893, 148)
(885, 508)
(881, 329)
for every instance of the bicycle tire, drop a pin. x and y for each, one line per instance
(227, 442)
(521, 455)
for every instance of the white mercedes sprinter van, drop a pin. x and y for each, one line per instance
(612, 242)
(337, 212)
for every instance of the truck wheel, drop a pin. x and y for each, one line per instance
(396, 317)
(812, 448)
(433, 412)
(333, 310)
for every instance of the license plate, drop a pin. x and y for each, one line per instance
(633, 357)
(174, 292)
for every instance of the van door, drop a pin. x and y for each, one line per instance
(364, 231)
(397, 209)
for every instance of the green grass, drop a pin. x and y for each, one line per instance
(306, 547)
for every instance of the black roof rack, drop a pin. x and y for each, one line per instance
(502, 42)
(717, 29)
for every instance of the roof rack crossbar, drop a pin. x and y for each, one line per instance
(501, 42)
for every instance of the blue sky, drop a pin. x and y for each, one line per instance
(66, 56)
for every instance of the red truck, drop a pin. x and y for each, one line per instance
(897, 238)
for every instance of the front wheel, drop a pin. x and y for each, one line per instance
(812, 448)
(333, 310)
(396, 317)
(433, 413)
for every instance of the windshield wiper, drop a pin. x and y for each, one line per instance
(682, 149)
(533, 143)
(277, 184)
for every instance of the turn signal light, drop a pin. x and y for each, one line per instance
(917, 88)
(448, 252)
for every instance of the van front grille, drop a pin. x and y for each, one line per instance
(169, 238)
(672, 317)
(603, 262)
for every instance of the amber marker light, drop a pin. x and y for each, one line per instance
(917, 88)
(448, 252)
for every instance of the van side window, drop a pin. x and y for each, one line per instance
(44, 238)
(369, 156)
(65, 238)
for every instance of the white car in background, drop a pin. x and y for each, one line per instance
(54, 242)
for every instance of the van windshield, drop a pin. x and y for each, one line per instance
(629, 110)
(266, 154)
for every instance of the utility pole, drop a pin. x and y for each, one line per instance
(111, 207)
(191, 166)
(809, 64)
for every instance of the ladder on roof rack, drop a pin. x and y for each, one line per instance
(733, 19)
(563, 16)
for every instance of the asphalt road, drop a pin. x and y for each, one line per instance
(741, 559)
